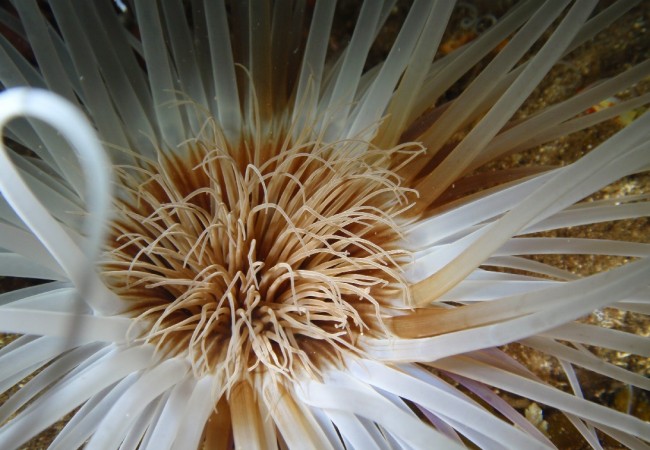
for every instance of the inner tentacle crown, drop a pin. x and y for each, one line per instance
(256, 258)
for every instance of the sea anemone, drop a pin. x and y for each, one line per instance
(253, 239)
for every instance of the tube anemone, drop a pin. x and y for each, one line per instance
(301, 249)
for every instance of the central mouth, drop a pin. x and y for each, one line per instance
(249, 263)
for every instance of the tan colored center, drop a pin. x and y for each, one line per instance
(246, 265)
